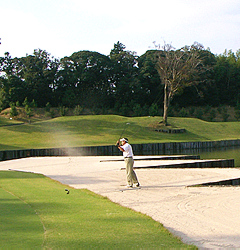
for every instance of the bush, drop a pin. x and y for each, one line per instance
(28, 111)
(237, 111)
(124, 110)
(137, 110)
(33, 104)
(48, 107)
(183, 112)
(13, 111)
(25, 103)
(191, 111)
(199, 113)
(207, 109)
(225, 114)
(50, 113)
(170, 111)
(153, 110)
(63, 110)
(145, 110)
(212, 115)
(78, 110)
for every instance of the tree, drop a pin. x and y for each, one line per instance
(124, 79)
(178, 69)
(84, 79)
(39, 72)
(148, 90)
(11, 83)
(227, 78)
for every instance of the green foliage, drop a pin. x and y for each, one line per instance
(50, 113)
(237, 114)
(124, 110)
(191, 111)
(37, 213)
(28, 110)
(3, 101)
(33, 104)
(153, 110)
(237, 111)
(183, 112)
(101, 82)
(212, 115)
(13, 111)
(137, 110)
(207, 109)
(63, 110)
(48, 107)
(26, 103)
(225, 114)
(199, 113)
(78, 110)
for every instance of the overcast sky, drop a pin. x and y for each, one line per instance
(62, 27)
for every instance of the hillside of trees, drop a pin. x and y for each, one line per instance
(120, 83)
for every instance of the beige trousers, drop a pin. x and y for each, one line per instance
(131, 175)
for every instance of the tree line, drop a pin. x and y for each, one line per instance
(121, 82)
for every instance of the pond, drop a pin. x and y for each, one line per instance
(223, 153)
(216, 153)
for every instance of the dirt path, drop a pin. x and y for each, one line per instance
(208, 217)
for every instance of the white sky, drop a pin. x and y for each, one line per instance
(62, 27)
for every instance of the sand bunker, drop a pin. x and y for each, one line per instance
(207, 217)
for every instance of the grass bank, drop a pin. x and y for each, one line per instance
(37, 213)
(91, 130)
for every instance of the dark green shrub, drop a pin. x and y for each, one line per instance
(137, 110)
(212, 115)
(13, 111)
(183, 112)
(63, 110)
(28, 110)
(199, 113)
(153, 110)
(78, 110)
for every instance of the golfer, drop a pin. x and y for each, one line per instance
(126, 148)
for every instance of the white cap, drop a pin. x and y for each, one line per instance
(124, 139)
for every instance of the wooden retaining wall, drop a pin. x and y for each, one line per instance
(139, 149)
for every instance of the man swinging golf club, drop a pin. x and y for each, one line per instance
(126, 148)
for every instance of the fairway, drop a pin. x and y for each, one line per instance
(92, 130)
(20, 226)
(36, 212)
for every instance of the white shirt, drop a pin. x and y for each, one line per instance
(127, 150)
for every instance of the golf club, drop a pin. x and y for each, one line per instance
(123, 130)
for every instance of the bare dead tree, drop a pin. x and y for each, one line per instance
(177, 69)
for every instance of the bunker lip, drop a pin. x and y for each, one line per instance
(229, 182)
(154, 158)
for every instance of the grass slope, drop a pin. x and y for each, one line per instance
(75, 131)
(37, 213)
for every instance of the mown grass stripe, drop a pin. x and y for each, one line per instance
(79, 220)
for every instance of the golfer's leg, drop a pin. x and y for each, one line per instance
(133, 174)
(134, 177)
(128, 172)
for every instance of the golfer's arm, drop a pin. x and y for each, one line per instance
(120, 148)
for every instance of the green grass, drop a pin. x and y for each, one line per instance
(91, 130)
(5, 122)
(37, 213)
